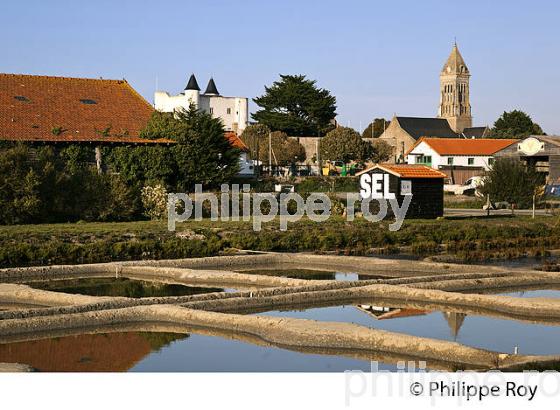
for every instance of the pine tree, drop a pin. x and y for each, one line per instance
(203, 155)
(296, 106)
(515, 124)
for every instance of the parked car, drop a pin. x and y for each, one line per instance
(470, 187)
(552, 190)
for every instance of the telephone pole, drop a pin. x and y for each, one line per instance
(270, 152)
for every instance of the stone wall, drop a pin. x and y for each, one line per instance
(399, 139)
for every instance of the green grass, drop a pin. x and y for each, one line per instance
(472, 239)
(474, 203)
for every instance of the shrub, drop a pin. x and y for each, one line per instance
(510, 180)
(154, 201)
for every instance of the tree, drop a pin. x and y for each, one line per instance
(510, 180)
(161, 125)
(43, 184)
(296, 106)
(294, 151)
(253, 136)
(345, 144)
(20, 201)
(515, 124)
(375, 128)
(203, 155)
(381, 151)
(285, 150)
(143, 165)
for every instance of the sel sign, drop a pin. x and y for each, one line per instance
(406, 187)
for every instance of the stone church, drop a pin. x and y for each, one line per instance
(454, 118)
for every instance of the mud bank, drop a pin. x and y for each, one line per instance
(278, 331)
(15, 368)
(504, 306)
(381, 266)
(408, 283)
(23, 294)
(156, 327)
(492, 282)
(421, 289)
(27, 295)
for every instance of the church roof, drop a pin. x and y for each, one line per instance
(475, 132)
(49, 109)
(418, 127)
(211, 88)
(192, 84)
(455, 63)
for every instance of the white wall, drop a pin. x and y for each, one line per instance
(424, 149)
(235, 120)
(437, 160)
(167, 103)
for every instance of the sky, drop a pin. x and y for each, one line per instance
(378, 58)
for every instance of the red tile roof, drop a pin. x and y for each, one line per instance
(32, 108)
(407, 171)
(462, 146)
(399, 313)
(111, 352)
(235, 141)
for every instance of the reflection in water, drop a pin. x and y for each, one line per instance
(384, 312)
(476, 331)
(210, 351)
(201, 353)
(87, 352)
(455, 321)
(295, 273)
(119, 287)
(144, 351)
(538, 293)
(166, 352)
(311, 274)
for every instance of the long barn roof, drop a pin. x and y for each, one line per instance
(418, 127)
(62, 109)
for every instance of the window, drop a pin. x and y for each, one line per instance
(88, 101)
(229, 110)
(470, 161)
(449, 160)
(21, 98)
(211, 110)
(490, 161)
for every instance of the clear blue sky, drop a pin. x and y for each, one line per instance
(376, 57)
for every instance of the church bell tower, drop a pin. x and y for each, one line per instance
(454, 104)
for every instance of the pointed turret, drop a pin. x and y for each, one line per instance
(192, 84)
(455, 63)
(455, 321)
(211, 88)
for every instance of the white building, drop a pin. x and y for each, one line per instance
(459, 158)
(233, 111)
